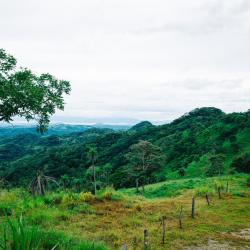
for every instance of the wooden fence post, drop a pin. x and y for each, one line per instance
(219, 192)
(193, 207)
(163, 222)
(208, 201)
(180, 217)
(227, 187)
(145, 239)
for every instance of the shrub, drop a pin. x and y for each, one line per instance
(202, 191)
(242, 163)
(86, 197)
(219, 185)
(53, 199)
(69, 201)
(109, 193)
(138, 207)
(5, 209)
(248, 181)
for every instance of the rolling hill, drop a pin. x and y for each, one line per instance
(203, 142)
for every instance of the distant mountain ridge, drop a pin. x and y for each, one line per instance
(55, 129)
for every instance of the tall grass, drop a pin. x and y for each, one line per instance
(16, 235)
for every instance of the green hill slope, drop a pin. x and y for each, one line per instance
(204, 142)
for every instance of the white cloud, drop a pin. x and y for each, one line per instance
(143, 59)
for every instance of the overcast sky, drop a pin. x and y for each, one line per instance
(130, 60)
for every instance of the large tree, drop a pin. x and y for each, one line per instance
(145, 158)
(25, 94)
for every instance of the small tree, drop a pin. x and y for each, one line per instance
(216, 165)
(181, 172)
(77, 184)
(106, 170)
(65, 180)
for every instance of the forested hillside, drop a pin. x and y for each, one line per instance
(204, 142)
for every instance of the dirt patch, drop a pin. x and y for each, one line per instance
(240, 241)
(243, 234)
(211, 245)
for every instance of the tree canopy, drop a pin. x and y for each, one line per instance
(25, 94)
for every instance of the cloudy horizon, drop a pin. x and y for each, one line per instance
(137, 59)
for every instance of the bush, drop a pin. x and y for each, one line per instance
(248, 181)
(109, 193)
(138, 207)
(242, 163)
(69, 201)
(5, 209)
(86, 197)
(219, 185)
(53, 199)
(202, 191)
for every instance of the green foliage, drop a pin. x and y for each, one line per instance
(215, 166)
(109, 193)
(203, 190)
(87, 197)
(64, 211)
(201, 143)
(242, 163)
(22, 93)
(248, 181)
(219, 184)
(17, 235)
(169, 189)
(144, 158)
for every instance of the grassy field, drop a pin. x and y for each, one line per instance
(116, 218)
